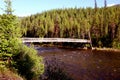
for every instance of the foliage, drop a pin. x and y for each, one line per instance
(13, 54)
(8, 6)
(116, 44)
(28, 63)
(9, 34)
(102, 23)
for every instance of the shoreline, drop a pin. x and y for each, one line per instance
(105, 49)
(84, 48)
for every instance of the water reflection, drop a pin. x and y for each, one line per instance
(46, 49)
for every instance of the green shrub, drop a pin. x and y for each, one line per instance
(28, 63)
(116, 44)
(13, 54)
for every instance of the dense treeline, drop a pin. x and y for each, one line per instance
(103, 24)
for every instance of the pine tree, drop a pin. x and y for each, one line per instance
(10, 30)
(13, 53)
(8, 6)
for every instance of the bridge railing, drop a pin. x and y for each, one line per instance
(55, 40)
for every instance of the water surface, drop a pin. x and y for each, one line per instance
(85, 64)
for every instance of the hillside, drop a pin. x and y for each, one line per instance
(103, 24)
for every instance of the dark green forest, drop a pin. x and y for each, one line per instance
(102, 24)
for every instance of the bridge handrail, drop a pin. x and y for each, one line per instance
(55, 40)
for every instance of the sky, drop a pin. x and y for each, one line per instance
(29, 7)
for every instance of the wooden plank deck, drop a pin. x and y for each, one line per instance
(32, 40)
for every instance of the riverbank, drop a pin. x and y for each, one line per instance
(79, 48)
(106, 49)
(6, 74)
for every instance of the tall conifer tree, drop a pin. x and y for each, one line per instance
(8, 6)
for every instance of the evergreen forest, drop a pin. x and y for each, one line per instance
(102, 24)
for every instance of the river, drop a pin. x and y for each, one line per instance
(85, 64)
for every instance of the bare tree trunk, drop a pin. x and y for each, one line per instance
(90, 39)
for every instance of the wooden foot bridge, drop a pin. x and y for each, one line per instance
(32, 40)
(46, 40)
